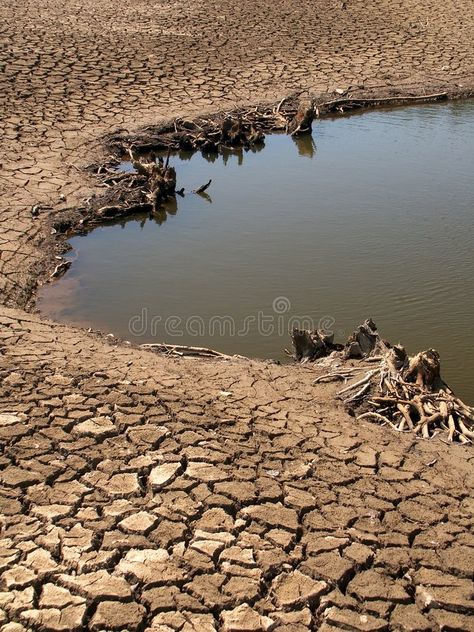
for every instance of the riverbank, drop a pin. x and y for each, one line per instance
(185, 489)
(140, 491)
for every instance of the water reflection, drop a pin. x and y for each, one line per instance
(305, 145)
(205, 196)
(229, 152)
(160, 215)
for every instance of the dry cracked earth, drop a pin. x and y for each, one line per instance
(139, 492)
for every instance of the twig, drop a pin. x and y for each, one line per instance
(359, 393)
(387, 100)
(203, 187)
(184, 350)
(360, 382)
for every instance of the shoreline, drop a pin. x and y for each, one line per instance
(54, 243)
(167, 136)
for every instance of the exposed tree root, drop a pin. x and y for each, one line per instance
(406, 393)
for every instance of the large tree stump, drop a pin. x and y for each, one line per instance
(365, 341)
(311, 345)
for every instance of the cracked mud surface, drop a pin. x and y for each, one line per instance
(214, 495)
(139, 492)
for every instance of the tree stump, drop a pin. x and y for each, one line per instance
(303, 120)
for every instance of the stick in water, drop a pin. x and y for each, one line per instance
(203, 187)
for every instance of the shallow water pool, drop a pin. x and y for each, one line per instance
(372, 216)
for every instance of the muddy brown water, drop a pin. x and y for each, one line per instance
(372, 216)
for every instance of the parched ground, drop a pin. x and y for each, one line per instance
(140, 492)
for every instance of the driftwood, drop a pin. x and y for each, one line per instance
(342, 105)
(405, 393)
(245, 127)
(184, 350)
(303, 120)
(153, 180)
(60, 269)
(411, 398)
(203, 188)
(160, 177)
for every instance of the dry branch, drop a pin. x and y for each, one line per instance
(203, 188)
(184, 350)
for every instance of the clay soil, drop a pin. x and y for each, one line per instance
(139, 492)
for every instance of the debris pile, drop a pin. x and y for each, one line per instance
(403, 392)
(243, 127)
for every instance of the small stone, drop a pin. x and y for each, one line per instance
(245, 619)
